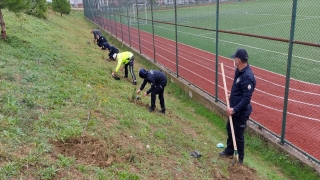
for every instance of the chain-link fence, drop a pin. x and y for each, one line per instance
(191, 37)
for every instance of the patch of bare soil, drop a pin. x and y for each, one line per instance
(242, 172)
(137, 101)
(91, 151)
(98, 152)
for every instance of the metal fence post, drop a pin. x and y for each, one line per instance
(100, 15)
(286, 94)
(153, 43)
(176, 30)
(217, 48)
(109, 20)
(121, 27)
(128, 24)
(114, 21)
(138, 26)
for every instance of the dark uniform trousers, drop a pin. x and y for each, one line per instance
(239, 125)
(130, 64)
(158, 90)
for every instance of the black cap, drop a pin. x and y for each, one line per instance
(242, 54)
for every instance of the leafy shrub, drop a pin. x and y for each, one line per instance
(38, 9)
(61, 6)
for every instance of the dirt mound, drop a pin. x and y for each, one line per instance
(97, 152)
(242, 172)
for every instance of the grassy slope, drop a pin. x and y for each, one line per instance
(51, 78)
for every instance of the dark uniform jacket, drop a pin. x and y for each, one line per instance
(243, 86)
(155, 78)
(101, 41)
(113, 50)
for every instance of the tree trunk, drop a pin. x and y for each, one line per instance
(3, 26)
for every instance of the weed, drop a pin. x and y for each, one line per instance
(160, 134)
(65, 161)
(48, 172)
(9, 170)
(123, 175)
(101, 174)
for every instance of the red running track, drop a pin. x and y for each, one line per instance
(303, 116)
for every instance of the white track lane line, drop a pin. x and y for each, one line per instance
(199, 35)
(257, 77)
(261, 25)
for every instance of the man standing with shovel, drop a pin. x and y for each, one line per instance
(240, 108)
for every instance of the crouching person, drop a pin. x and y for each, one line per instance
(96, 33)
(158, 82)
(112, 50)
(127, 59)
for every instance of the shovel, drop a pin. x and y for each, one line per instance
(236, 155)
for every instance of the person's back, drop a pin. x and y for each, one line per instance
(157, 77)
(127, 59)
(101, 40)
(112, 50)
(96, 32)
(124, 57)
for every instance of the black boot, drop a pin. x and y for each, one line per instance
(163, 111)
(225, 153)
(240, 160)
(151, 109)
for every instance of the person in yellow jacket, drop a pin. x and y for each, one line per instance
(127, 59)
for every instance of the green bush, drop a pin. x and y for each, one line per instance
(61, 6)
(38, 9)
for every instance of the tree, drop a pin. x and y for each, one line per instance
(38, 9)
(13, 6)
(61, 6)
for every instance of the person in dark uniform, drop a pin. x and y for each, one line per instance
(102, 42)
(158, 82)
(95, 33)
(112, 50)
(240, 109)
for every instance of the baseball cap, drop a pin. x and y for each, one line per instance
(242, 54)
(114, 55)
